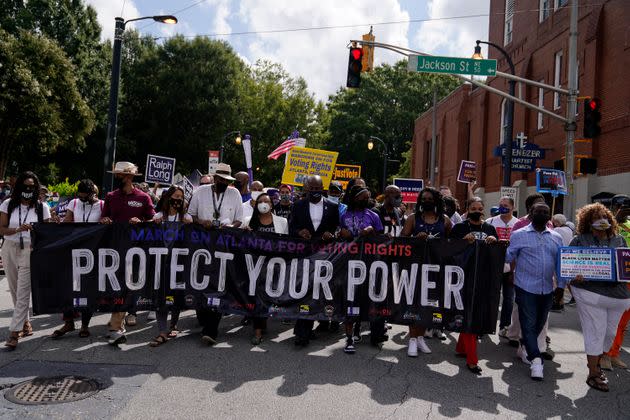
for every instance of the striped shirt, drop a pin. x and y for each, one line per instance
(535, 255)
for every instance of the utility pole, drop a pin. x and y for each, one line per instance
(433, 138)
(570, 127)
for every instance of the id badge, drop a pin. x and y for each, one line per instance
(216, 223)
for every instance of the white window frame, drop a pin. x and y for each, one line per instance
(559, 3)
(544, 10)
(509, 22)
(541, 104)
(503, 122)
(557, 78)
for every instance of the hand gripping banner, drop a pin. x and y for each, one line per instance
(434, 283)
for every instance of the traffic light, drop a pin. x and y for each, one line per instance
(354, 67)
(592, 117)
(587, 166)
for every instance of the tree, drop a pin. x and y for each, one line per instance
(386, 105)
(40, 104)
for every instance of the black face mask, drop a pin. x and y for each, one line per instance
(474, 216)
(119, 183)
(314, 196)
(450, 211)
(176, 203)
(238, 185)
(540, 219)
(220, 187)
(84, 199)
(427, 206)
(362, 204)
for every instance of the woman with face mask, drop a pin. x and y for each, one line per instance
(263, 220)
(86, 208)
(429, 221)
(358, 221)
(599, 304)
(17, 216)
(173, 210)
(472, 229)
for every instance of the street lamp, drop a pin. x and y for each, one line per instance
(112, 116)
(370, 146)
(507, 138)
(237, 140)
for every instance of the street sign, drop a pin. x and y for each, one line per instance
(160, 169)
(452, 65)
(523, 158)
(409, 188)
(551, 181)
(213, 160)
(344, 173)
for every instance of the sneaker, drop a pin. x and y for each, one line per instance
(522, 354)
(548, 355)
(151, 316)
(349, 349)
(117, 337)
(428, 333)
(503, 333)
(356, 337)
(256, 340)
(412, 350)
(206, 339)
(617, 362)
(605, 362)
(439, 334)
(537, 369)
(131, 320)
(422, 346)
(388, 326)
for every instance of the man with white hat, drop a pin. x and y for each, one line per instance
(125, 204)
(216, 205)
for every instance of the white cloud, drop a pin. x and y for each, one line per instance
(320, 56)
(220, 15)
(455, 38)
(107, 10)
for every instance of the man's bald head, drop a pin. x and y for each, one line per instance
(313, 183)
(257, 186)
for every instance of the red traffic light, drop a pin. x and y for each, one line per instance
(357, 53)
(593, 103)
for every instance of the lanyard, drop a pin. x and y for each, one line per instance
(21, 222)
(175, 217)
(87, 219)
(217, 209)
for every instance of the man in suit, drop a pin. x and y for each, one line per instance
(314, 217)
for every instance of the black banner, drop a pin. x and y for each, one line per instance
(440, 283)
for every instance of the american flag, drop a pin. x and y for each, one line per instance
(293, 140)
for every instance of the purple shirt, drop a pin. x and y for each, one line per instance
(121, 207)
(357, 220)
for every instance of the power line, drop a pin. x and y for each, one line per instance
(175, 12)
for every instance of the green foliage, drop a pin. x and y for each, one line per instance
(404, 171)
(386, 106)
(64, 189)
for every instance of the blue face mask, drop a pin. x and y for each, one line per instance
(504, 210)
(333, 199)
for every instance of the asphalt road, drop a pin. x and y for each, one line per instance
(233, 380)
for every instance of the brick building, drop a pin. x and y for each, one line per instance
(536, 35)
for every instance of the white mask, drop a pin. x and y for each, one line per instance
(264, 208)
(333, 199)
(256, 194)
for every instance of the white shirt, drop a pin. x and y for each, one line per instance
(85, 212)
(317, 213)
(248, 210)
(173, 218)
(29, 215)
(229, 205)
(566, 233)
(504, 231)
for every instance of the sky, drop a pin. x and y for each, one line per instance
(319, 56)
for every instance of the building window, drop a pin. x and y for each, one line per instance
(541, 104)
(509, 21)
(543, 11)
(504, 109)
(557, 76)
(559, 3)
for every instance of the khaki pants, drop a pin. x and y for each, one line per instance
(117, 321)
(17, 266)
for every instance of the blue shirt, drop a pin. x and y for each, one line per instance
(535, 254)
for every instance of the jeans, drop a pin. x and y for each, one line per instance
(508, 300)
(533, 310)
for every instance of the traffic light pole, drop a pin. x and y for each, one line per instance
(570, 127)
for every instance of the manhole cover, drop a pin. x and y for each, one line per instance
(52, 390)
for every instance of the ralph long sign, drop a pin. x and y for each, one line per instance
(447, 283)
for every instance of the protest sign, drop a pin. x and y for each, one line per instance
(409, 188)
(213, 160)
(159, 169)
(552, 181)
(511, 192)
(467, 172)
(188, 189)
(623, 264)
(440, 283)
(304, 161)
(344, 173)
(594, 264)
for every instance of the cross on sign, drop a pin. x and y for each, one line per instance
(522, 139)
